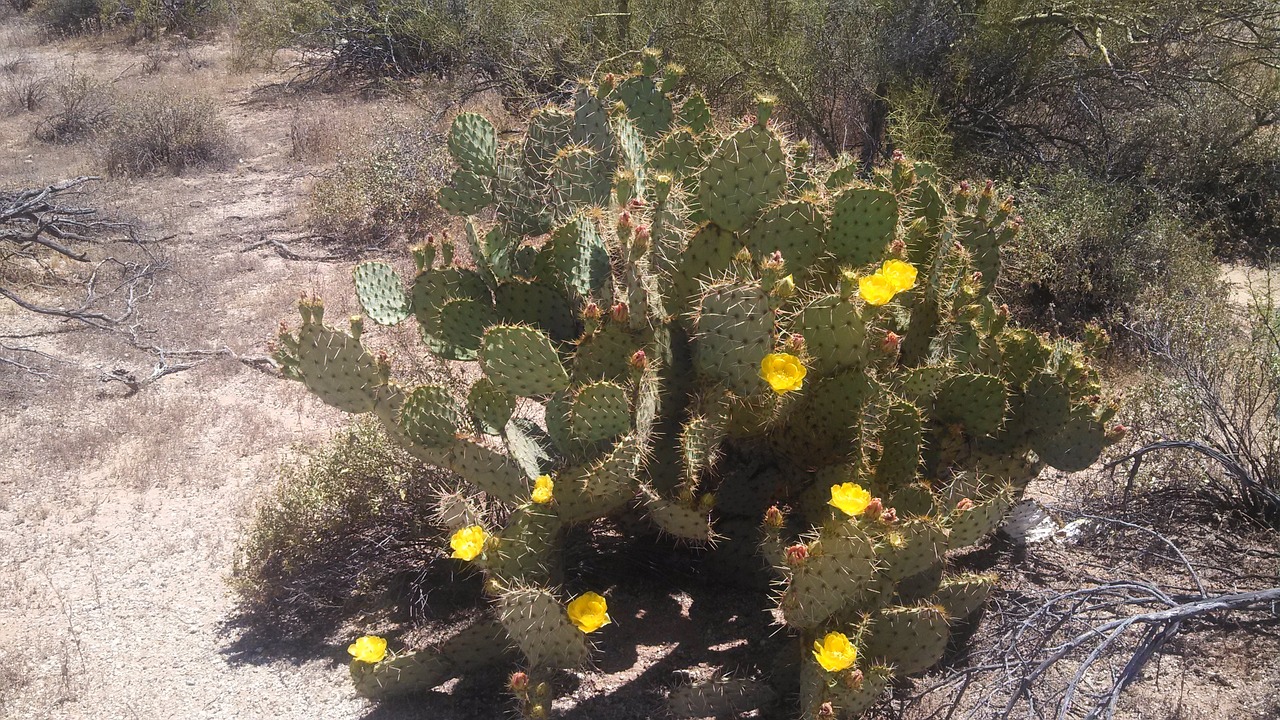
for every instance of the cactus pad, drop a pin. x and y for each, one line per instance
(381, 293)
(744, 176)
(520, 360)
(863, 222)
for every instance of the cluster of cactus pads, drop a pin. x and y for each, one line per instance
(634, 272)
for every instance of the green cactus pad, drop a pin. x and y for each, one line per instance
(581, 178)
(430, 415)
(845, 171)
(678, 153)
(826, 427)
(975, 401)
(863, 222)
(523, 551)
(719, 697)
(381, 293)
(1022, 356)
(474, 648)
(598, 489)
(794, 228)
(709, 253)
(605, 354)
(466, 194)
(490, 407)
(848, 698)
(538, 304)
(473, 142)
(462, 324)
(695, 114)
(529, 446)
(699, 445)
(334, 366)
(681, 520)
(835, 334)
(521, 198)
(490, 471)
(983, 243)
(839, 569)
(549, 130)
(969, 526)
(920, 586)
(647, 106)
(963, 595)
(600, 411)
(746, 174)
(521, 360)
(900, 444)
(591, 128)
(633, 157)
(913, 547)
(431, 291)
(733, 334)
(540, 627)
(579, 256)
(1074, 446)
(911, 639)
(1047, 403)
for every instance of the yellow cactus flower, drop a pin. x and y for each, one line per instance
(876, 289)
(468, 542)
(784, 372)
(542, 488)
(902, 275)
(850, 498)
(368, 649)
(834, 652)
(589, 612)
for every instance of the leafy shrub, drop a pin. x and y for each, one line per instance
(381, 188)
(1212, 400)
(338, 530)
(150, 17)
(166, 130)
(82, 107)
(1091, 250)
(68, 16)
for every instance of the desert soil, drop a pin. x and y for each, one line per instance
(119, 515)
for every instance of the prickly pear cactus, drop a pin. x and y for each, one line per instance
(718, 334)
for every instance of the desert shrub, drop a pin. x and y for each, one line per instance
(315, 136)
(151, 17)
(341, 530)
(24, 92)
(1092, 249)
(82, 105)
(1209, 408)
(166, 130)
(383, 187)
(68, 16)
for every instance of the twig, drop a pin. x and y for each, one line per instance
(288, 253)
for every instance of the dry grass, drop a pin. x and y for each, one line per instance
(317, 136)
(166, 129)
(23, 91)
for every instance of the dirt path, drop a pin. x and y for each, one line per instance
(119, 516)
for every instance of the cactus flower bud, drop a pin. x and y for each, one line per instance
(853, 679)
(542, 690)
(785, 288)
(619, 312)
(826, 711)
(899, 156)
(875, 508)
(642, 234)
(892, 341)
(774, 261)
(519, 682)
(964, 505)
(797, 554)
(707, 502)
(743, 256)
(898, 247)
(889, 516)
(537, 711)
(976, 277)
(964, 186)
(1117, 433)
(592, 311)
(638, 360)
(794, 344)
(624, 219)
(774, 518)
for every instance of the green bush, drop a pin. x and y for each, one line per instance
(337, 532)
(380, 188)
(68, 16)
(1093, 250)
(166, 129)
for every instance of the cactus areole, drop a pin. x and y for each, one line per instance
(684, 299)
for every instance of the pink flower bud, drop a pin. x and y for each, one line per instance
(892, 341)
(964, 505)
(619, 312)
(638, 360)
(797, 554)
(519, 682)
(774, 518)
